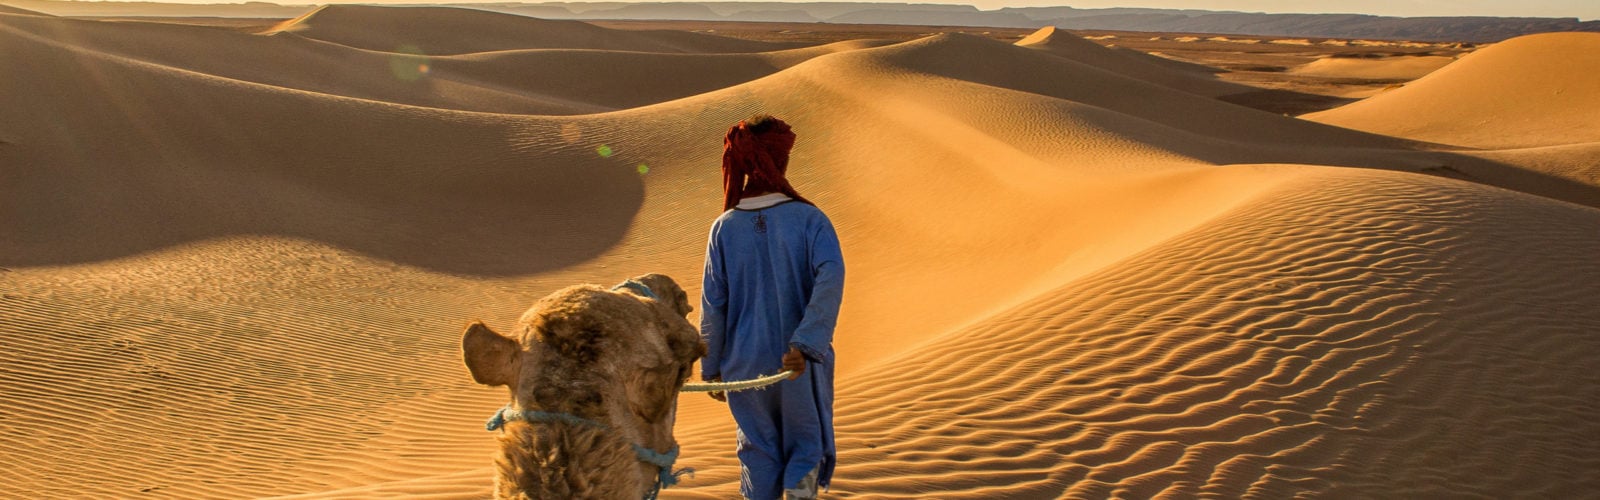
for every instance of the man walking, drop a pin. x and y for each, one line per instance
(774, 278)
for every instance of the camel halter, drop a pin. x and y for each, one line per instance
(663, 461)
(636, 286)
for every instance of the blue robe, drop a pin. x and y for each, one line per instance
(774, 278)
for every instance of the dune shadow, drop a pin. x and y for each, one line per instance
(120, 159)
(546, 218)
(1368, 150)
(1406, 156)
(1510, 176)
(1285, 102)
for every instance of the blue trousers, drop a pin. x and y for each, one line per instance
(780, 437)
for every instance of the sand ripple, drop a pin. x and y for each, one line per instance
(1356, 335)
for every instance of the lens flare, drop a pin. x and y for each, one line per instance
(408, 63)
(643, 169)
(604, 150)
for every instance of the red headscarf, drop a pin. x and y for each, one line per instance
(755, 157)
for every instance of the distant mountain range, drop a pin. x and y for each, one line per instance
(1466, 29)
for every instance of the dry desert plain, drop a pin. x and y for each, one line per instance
(237, 255)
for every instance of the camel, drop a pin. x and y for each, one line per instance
(594, 376)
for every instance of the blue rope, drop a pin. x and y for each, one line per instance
(506, 413)
(664, 461)
(666, 478)
(636, 286)
(498, 420)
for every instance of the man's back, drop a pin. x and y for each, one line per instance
(770, 258)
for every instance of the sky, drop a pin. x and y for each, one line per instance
(1584, 9)
(1587, 10)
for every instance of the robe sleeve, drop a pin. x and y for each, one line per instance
(713, 308)
(814, 336)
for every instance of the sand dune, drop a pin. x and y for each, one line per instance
(438, 31)
(198, 156)
(1082, 283)
(672, 76)
(1031, 71)
(1296, 345)
(7, 9)
(1536, 90)
(1161, 59)
(1128, 63)
(513, 81)
(1391, 68)
(1235, 359)
(1577, 164)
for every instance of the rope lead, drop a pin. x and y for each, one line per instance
(737, 385)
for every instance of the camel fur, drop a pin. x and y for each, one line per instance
(614, 357)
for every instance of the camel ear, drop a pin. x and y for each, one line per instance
(491, 357)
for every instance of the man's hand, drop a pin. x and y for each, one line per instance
(794, 361)
(718, 395)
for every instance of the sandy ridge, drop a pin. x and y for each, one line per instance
(1399, 69)
(1131, 63)
(436, 31)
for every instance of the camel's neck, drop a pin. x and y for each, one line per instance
(590, 455)
(541, 460)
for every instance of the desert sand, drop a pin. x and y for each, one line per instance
(1526, 92)
(1403, 69)
(237, 263)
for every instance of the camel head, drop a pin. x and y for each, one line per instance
(614, 358)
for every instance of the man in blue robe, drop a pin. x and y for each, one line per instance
(774, 278)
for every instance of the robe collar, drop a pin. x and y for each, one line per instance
(760, 202)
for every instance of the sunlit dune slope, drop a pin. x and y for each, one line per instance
(1535, 90)
(7, 9)
(1083, 99)
(1348, 334)
(610, 80)
(979, 60)
(1133, 64)
(1388, 68)
(444, 31)
(1062, 278)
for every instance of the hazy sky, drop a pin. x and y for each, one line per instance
(1587, 10)
(1584, 9)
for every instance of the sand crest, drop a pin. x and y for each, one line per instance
(7, 9)
(1128, 63)
(437, 31)
(1389, 68)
